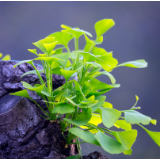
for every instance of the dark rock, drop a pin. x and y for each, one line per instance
(95, 155)
(23, 133)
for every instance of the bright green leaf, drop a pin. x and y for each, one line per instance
(154, 121)
(64, 57)
(123, 124)
(1, 55)
(109, 144)
(113, 80)
(62, 38)
(154, 135)
(33, 51)
(67, 73)
(84, 135)
(101, 85)
(103, 26)
(63, 109)
(107, 105)
(57, 51)
(101, 101)
(134, 64)
(23, 93)
(126, 138)
(89, 44)
(134, 117)
(25, 61)
(6, 58)
(128, 152)
(79, 92)
(110, 116)
(36, 89)
(50, 46)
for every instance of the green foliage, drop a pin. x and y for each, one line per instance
(5, 58)
(81, 101)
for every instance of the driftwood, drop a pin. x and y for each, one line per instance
(23, 133)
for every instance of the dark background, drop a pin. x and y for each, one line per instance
(136, 35)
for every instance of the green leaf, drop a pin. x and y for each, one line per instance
(82, 104)
(154, 121)
(134, 64)
(101, 85)
(82, 118)
(101, 100)
(57, 51)
(99, 92)
(63, 109)
(88, 56)
(155, 136)
(99, 40)
(62, 38)
(100, 51)
(86, 105)
(36, 89)
(107, 62)
(95, 119)
(34, 51)
(6, 58)
(103, 26)
(134, 117)
(126, 138)
(40, 44)
(113, 80)
(123, 124)
(84, 135)
(21, 62)
(110, 116)
(78, 90)
(109, 144)
(86, 87)
(1, 55)
(23, 93)
(50, 46)
(32, 72)
(94, 64)
(89, 44)
(107, 105)
(67, 73)
(64, 57)
(76, 32)
(128, 152)
(78, 65)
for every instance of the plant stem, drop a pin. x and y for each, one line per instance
(76, 44)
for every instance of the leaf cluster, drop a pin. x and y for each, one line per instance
(81, 98)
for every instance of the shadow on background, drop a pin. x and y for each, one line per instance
(136, 35)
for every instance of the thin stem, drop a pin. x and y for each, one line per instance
(68, 49)
(76, 44)
(40, 78)
(40, 107)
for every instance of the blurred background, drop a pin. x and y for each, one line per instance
(136, 35)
